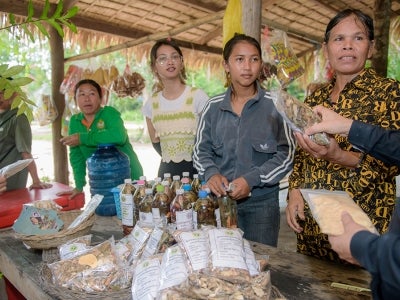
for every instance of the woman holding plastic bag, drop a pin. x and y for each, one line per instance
(359, 93)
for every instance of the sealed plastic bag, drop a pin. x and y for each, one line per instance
(279, 56)
(47, 111)
(297, 114)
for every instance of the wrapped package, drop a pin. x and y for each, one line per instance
(297, 114)
(327, 207)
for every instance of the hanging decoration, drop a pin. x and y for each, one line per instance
(232, 22)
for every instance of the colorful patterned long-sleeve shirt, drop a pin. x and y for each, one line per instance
(371, 99)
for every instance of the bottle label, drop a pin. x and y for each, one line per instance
(127, 208)
(184, 220)
(156, 215)
(218, 217)
(146, 219)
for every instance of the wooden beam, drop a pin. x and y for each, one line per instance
(211, 35)
(296, 33)
(208, 7)
(150, 37)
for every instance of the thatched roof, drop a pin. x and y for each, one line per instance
(196, 24)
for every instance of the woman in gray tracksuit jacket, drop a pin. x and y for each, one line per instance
(252, 148)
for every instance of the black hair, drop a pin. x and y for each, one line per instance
(365, 20)
(91, 82)
(158, 86)
(239, 37)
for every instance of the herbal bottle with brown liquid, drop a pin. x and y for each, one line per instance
(127, 206)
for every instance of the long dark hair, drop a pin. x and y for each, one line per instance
(365, 20)
(158, 86)
(237, 38)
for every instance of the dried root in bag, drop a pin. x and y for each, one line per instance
(297, 114)
(94, 270)
(174, 269)
(195, 246)
(227, 258)
(145, 281)
(201, 286)
(75, 247)
(130, 247)
(278, 52)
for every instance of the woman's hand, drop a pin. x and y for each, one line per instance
(71, 140)
(294, 209)
(72, 193)
(331, 152)
(40, 185)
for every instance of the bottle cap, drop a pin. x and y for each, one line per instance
(202, 194)
(187, 187)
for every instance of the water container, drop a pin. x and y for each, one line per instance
(107, 167)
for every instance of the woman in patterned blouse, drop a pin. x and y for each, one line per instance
(359, 93)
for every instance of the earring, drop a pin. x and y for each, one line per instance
(228, 79)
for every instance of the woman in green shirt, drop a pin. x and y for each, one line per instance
(95, 125)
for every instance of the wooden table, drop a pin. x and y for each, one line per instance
(295, 275)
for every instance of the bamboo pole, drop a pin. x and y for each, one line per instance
(149, 38)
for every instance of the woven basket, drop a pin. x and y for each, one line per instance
(49, 241)
(62, 293)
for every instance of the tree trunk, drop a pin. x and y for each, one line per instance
(251, 18)
(382, 26)
(60, 159)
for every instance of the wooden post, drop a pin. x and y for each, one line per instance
(251, 18)
(60, 159)
(381, 17)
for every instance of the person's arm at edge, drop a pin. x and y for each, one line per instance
(379, 255)
(377, 141)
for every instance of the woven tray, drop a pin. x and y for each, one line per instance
(62, 293)
(49, 241)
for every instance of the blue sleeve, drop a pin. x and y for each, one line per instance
(380, 255)
(383, 144)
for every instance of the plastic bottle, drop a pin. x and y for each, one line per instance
(228, 211)
(160, 208)
(181, 212)
(185, 178)
(146, 182)
(204, 211)
(145, 209)
(217, 212)
(176, 184)
(107, 168)
(167, 177)
(189, 194)
(140, 193)
(167, 190)
(196, 183)
(157, 182)
(127, 206)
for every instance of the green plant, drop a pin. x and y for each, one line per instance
(11, 84)
(8, 82)
(57, 20)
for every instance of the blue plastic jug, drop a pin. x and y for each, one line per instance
(107, 167)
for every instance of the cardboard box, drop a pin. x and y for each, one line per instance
(11, 202)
